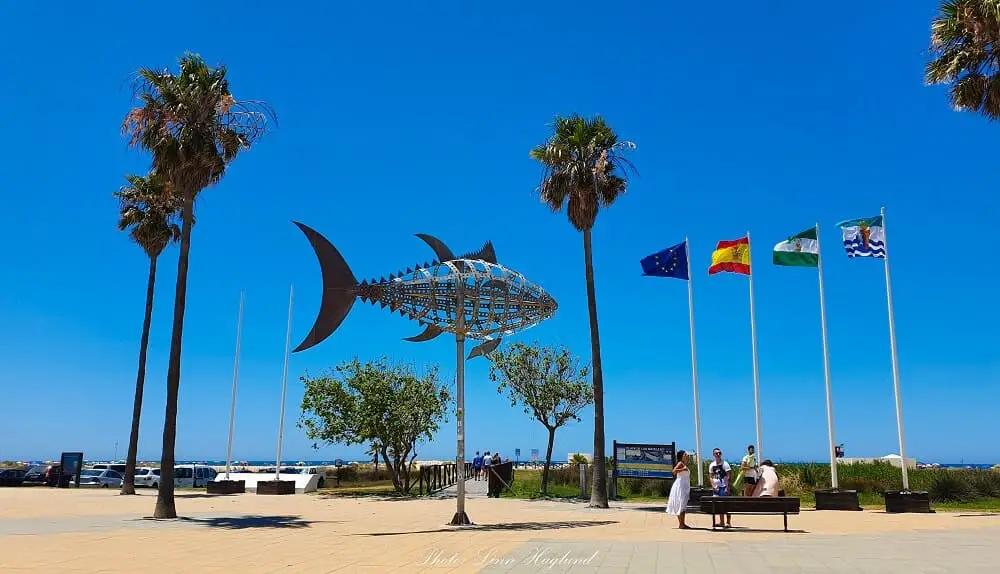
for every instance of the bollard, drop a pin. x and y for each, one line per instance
(583, 481)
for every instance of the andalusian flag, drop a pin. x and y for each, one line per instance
(800, 250)
(731, 256)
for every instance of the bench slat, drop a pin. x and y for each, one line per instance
(750, 505)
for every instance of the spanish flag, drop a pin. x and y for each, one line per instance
(731, 256)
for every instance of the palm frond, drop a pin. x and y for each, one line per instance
(149, 212)
(583, 167)
(192, 123)
(964, 39)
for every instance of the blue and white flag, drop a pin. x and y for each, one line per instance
(864, 237)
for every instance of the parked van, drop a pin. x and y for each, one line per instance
(193, 475)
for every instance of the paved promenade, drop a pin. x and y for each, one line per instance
(44, 529)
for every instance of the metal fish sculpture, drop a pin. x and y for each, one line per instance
(471, 295)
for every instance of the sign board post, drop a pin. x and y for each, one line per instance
(517, 455)
(534, 455)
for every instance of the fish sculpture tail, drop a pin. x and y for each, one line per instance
(339, 289)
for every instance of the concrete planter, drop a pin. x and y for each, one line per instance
(276, 487)
(836, 499)
(900, 501)
(227, 487)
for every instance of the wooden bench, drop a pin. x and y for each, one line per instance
(716, 505)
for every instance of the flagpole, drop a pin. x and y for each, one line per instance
(284, 384)
(895, 359)
(826, 364)
(753, 340)
(694, 369)
(236, 378)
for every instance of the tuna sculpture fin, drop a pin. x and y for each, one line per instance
(483, 349)
(485, 253)
(440, 249)
(338, 289)
(429, 333)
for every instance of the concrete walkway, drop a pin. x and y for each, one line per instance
(473, 489)
(70, 530)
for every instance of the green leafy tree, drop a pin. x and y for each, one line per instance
(149, 213)
(584, 170)
(965, 39)
(194, 128)
(548, 382)
(388, 406)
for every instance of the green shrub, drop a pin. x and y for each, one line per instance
(347, 473)
(950, 486)
(985, 483)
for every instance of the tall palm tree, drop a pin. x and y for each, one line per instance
(194, 128)
(965, 43)
(149, 213)
(583, 169)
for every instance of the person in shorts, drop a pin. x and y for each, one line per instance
(750, 471)
(720, 472)
(477, 466)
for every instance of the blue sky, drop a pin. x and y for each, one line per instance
(398, 118)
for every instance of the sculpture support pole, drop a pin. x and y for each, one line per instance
(460, 518)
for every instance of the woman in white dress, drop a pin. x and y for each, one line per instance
(680, 491)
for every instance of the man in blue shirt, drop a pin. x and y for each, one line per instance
(477, 466)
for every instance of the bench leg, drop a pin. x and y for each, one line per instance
(786, 522)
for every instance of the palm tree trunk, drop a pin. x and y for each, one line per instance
(548, 462)
(128, 485)
(599, 492)
(165, 497)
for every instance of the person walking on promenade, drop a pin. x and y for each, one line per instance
(680, 491)
(477, 466)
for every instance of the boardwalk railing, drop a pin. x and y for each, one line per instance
(437, 477)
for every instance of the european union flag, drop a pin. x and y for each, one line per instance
(671, 262)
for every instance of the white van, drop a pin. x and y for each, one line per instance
(193, 475)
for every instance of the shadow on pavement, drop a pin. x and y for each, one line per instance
(506, 526)
(248, 521)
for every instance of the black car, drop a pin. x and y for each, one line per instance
(11, 476)
(43, 474)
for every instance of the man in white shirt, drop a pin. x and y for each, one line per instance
(767, 483)
(720, 472)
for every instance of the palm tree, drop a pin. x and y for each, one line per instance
(965, 37)
(583, 169)
(194, 128)
(149, 213)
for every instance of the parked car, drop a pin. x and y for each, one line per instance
(105, 478)
(11, 476)
(43, 474)
(147, 476)
(119, 468)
